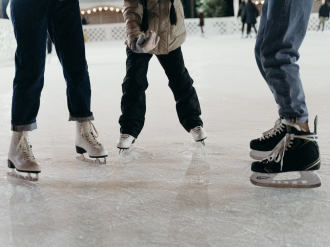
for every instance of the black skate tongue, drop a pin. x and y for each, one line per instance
(288, 129)
(315, 124)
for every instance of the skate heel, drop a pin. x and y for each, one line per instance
(11, 165)
(80, 150)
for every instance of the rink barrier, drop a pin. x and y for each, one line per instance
(117, 31)
(213, 26)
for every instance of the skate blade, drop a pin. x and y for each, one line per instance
(28, 177)
(96, 161)
(308, 179)
(123, 151)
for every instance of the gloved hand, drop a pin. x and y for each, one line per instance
(144, 45)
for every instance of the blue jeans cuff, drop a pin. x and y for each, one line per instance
(81, 119)
(20, 128)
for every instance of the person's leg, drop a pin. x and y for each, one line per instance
(31, 35)
(322, 22)
(260, 38)
(243, 24)
(133, 101)
(64, 28)
(248, 29)
(284, 32)
(181, 84)
(255, 29)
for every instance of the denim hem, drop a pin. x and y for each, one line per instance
(81, 119)
(20, 128)
(298, 120)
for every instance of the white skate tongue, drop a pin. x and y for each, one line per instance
(24, 147)
(89, 132)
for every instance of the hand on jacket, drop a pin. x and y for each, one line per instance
(144, 45)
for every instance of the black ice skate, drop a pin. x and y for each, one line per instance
(263, 146)
(299, 152)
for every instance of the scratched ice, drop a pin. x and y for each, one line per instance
(168, 190)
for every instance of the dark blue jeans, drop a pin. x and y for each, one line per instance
(282, 30)
(133, 102)
(31, 20)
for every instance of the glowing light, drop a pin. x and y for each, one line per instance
(105, 8)
(100, 9)
(262, 2)
(88, 11)
(122, 11)
(257, 2)
(94, 10)
(111, 8)
(82, 12)
(117, 9)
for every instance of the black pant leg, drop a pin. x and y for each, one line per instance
(243, 24)
(65, 29)
(133, 101)
(29, 18)
(255, 29)
(249, 26)
(181, 84)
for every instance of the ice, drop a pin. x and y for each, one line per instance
(167, 190)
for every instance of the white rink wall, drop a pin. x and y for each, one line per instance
(117, 31)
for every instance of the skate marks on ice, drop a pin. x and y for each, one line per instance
(31, 217)
(192, 202)
(88, 160)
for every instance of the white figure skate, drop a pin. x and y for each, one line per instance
(199, 134)
(125, 142)
(21, 158)
(86, 142)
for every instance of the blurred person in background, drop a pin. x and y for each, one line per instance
(251, 13)
(241, 13)
(324, 14)
(201, 19)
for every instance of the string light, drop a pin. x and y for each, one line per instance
(111, 8)
(82, 12)
(262, 2)
(94, 10)
(100, 9)
(105, 8)
(88, 11)
(117, 10)
(122, 11)
(257, 2)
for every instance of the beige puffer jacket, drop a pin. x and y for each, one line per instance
(171, 36)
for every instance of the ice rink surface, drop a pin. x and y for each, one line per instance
(167, 190)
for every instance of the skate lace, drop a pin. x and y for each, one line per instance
(124, 136)
(277, 154)
(89, 133)
(197, 129)
(277, 129)
(24, 147)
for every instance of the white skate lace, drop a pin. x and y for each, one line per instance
(89, 132)
(24, 147)
(277, 154)
(277, 129)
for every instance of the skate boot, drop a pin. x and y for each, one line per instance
(299, 152)
(124, 142)
(21, 158)
(263, 146)
(86, 142)
(199, 134)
